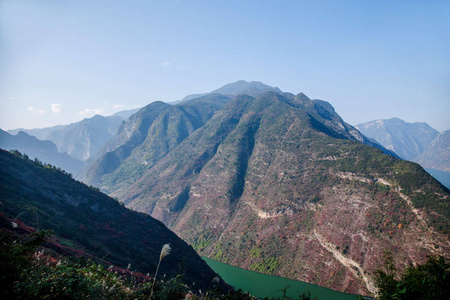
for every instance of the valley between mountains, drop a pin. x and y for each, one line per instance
(276, 183)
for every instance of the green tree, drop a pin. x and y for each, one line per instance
(430, 280)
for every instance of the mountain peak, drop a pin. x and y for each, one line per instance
(252, 88)
(240, 87)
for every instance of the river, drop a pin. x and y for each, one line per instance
(261, 285)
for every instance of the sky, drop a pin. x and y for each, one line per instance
(62, 61)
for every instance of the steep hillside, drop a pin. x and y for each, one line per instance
(130, 135)
(45, 151)
(437, 154)
(280, 184)
(88, 222)
(408, 140)
(148, 136)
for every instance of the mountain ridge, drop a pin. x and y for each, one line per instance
(45, 151)
(82, 139)
(166, 128)
(282, 180)
(252, 88)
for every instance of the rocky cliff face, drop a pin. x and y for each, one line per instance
(281, 185)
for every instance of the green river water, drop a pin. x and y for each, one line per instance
(261, 285)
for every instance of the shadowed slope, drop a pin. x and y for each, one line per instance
(88, 220)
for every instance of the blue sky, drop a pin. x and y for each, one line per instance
(61, 61)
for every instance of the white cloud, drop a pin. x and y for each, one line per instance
(12, 99)
(91, 111)
(119, 106)
(56, 108)
(36, 111)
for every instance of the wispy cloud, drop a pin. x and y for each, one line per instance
(119, 106)
(56, 108)
(91, 111)
(36, 111)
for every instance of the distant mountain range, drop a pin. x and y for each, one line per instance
(45, 151)
(276, 183)
(88, 223)
(83, 139)
(417, 142)
(65, 146)
(437, 154)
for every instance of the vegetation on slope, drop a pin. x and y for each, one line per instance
(427, 281)
(27, 271)
(88, 223)
(317, 204)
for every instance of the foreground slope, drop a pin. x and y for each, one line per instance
(281, 185)
(92, 223)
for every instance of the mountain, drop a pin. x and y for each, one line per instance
(437, 154)
(240, 87)
(280, 184)
(159, 127)
(417, 142)
(88, 223)
(408, 140)
(82, 139)
(147, 136)
(45, 151)
(125, 114)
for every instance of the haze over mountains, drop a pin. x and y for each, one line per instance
(417, 142)
(437, 155)
(43, 150)
(65, 146)
(277, 183)
(82, 139)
